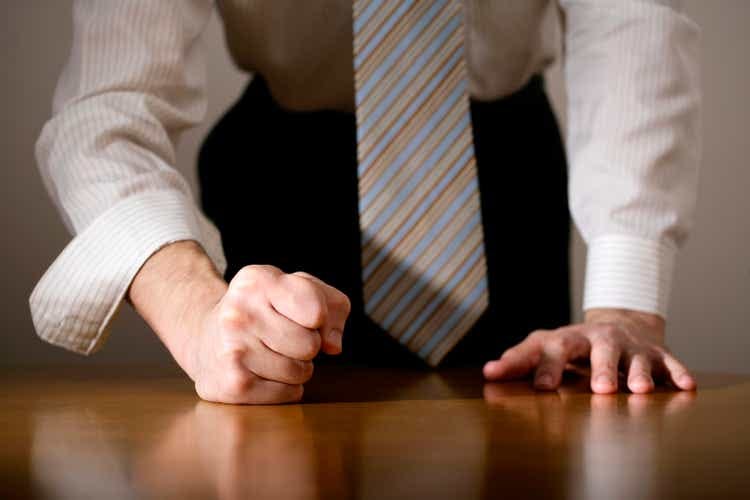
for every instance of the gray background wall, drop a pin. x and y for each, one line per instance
(710, 312)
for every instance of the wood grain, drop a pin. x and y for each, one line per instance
(369, 433)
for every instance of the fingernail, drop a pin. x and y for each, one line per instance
(603, 380)
(686, 380)
(544, 380)
(335, 337)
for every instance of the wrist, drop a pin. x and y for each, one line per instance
(174, 291)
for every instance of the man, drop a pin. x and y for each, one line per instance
(440, 223)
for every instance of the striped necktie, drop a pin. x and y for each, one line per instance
(423, 264)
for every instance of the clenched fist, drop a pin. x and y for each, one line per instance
(257, 344)
(252, 341)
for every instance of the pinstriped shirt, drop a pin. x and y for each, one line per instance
(135, 80)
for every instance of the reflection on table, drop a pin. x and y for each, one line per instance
(377, 434)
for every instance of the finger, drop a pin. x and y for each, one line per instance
(559, 348)
(299, 300)
(240, 386)
(678, 373)
(549, 372)
(640, 380)
(271, 365)
(285, 337)
(605, 357)
(518, 361)
(339, 308)
(266, 392)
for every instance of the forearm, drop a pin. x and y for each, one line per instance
(633, 145)
(173, 291)
(107, 155)
(250, 341)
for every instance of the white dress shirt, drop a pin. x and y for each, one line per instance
(136, 79)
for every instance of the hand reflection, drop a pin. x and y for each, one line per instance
(237, 452)
(207, 451)
(598, 446)
(549, 411)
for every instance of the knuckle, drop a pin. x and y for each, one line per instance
(307, 296)
(240, 289)
(613, 330)
(242, 293)
(536, 334)
(238, 382)
(316, 312)
(231, 318)
(608, 331)
(342, 303)
(537, 337)
(308, 346)
(303, 274)
(231, 349)
(560, 342)
(606, 343)
(553, 349)
(250, 276)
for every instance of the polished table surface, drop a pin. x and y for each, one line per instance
(370, 433)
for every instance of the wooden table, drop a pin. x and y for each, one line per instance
(369, 433)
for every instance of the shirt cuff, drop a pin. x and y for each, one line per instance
(73, 304)
(629, 272)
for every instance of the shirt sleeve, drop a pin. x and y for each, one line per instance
(633, 144)
(134, 81)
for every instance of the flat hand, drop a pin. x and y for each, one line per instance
(608, 339)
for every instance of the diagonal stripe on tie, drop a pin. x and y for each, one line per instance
(423, 264)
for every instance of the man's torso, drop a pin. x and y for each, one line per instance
(304, 49)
